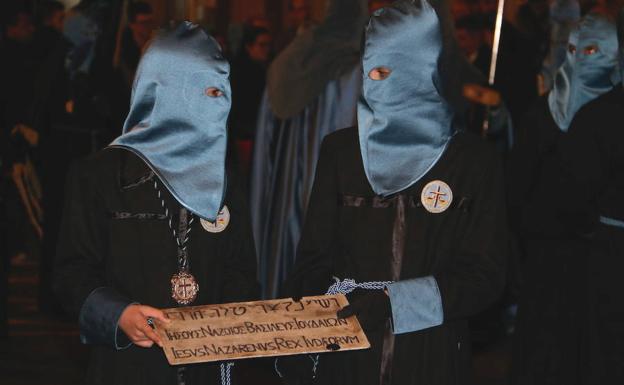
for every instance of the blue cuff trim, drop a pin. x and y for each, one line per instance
(416, 305)
(99, 319)
(612, 222)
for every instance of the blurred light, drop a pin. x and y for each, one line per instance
(70, 3)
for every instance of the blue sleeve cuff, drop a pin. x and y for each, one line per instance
(416, 305)
(99, 319)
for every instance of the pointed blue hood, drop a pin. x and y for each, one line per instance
(590, 68)
(177, 122)
(404, 122)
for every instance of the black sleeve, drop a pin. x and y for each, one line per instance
(311, 274)
(80, 264)
(476, 277)
(240, 280)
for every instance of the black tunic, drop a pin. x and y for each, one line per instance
(550, 227)
(593, 153)
(348, 233)
(114, 235)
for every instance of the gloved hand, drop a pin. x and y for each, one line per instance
(296, 370)
(372, 309)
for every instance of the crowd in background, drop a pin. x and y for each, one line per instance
(66, 77)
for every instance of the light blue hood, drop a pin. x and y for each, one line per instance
(585, 74)
(404, 122)
(174, 124)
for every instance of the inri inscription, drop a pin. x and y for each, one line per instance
(259, 329)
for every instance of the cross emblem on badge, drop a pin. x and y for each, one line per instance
(436, 197)
(184, 288)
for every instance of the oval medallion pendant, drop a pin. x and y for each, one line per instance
(184, 288)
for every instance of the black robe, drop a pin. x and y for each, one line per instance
(115, 236)
(348, 233)
(593, 156)
(550, 226)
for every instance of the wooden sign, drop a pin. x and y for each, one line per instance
(278, 327)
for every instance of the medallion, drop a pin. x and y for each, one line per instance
(436, 197)
(184, 288)
(222, 222)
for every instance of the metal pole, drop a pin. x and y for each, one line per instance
(498, 26)
(495, 45)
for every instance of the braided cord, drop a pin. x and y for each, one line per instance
(226, 373)
(226, 367)
(347, 285)
(182, 244)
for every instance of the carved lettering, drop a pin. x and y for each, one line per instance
(258, 329)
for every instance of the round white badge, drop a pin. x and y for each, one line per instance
(222, 222)
(436, 197)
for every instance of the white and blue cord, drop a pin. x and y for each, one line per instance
(344, 286)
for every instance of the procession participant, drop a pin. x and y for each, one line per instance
(409, 202)
(482, 101)
(593, 157)
(155, 221)
(548, 346)
(292, 122)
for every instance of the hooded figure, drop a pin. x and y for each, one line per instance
(593, 157)
(550, 220)
(149, 221)
(589, 70)
(292, 122)
(406, 203)
(404, 122)
(178, 118)
(325, 64)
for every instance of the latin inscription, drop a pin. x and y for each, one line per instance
(259, 329)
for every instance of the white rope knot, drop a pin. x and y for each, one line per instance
(348, 285)
(344, 286)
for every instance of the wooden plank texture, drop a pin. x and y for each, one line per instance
(259, 329)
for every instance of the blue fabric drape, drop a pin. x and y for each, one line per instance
(284, 162)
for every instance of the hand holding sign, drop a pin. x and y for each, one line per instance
(134, 323)
(372, 309)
